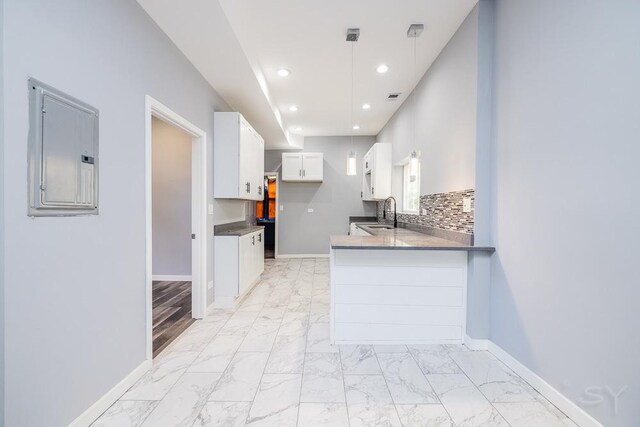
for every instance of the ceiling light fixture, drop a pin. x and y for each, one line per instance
(298, 129)
(352, 36)
(283, 72)
(366, 106)
(293, 108)
(382, 68)
(414, 32)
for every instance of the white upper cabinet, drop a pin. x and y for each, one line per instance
(238, 158)
(302, 167)
(377, 168)
(292, 167)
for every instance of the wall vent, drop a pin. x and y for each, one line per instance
(393, 96)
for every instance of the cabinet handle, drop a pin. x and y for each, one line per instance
(260, 237)
(373, 191)
(253, 240)
(247, 187)
(303, 173)
(300, 172)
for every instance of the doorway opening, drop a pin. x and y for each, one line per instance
(267, 212)
(176, 218)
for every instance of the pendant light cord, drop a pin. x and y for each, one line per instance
(415, 41)
(352, 72)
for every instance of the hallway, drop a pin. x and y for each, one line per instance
(270, 363)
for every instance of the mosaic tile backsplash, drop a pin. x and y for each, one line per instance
(440, 210)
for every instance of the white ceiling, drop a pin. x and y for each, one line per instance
(240, 55)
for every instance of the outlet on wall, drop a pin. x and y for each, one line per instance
(466, 205)
(281, 208)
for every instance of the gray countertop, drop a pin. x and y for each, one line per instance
(239, 231)
(400, 238)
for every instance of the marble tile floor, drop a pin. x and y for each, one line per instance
(270, 363)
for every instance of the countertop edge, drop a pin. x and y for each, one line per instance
(238, 232)
(419, 248)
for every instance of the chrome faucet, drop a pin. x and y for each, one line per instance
(395, 214)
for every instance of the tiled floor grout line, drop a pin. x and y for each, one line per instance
(344, 385)
(384, 378)
(480, 391)
(430, 385)
(304, 358)
(264, 368)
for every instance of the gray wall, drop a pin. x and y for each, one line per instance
(75, 287)
(445, 116)
(565, 286)
(1, 212)
(333, 200)
(171, 199)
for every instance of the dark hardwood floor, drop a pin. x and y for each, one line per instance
(171, 312)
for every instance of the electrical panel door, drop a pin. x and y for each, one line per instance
(63, 154)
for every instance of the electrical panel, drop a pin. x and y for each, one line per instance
(63, 154)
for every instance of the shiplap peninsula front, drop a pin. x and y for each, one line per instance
(398, 287)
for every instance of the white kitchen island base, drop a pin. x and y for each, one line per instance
(390, 296)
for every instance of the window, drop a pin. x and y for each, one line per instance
(411, 189)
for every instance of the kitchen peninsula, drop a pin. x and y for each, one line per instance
(398, 286)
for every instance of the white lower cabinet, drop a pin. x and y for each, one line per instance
(239, 262)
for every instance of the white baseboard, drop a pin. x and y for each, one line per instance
(223, 302)
(95, 410)
(171, 277)
(476, 344)
(573, 411)
(302, 256)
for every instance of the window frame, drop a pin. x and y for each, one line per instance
(406, 171)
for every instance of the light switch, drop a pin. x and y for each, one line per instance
(466, 205)
(281, 208)
(210, 208)
(310, 210)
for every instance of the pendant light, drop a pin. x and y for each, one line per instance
(414, 32)
(352, 36)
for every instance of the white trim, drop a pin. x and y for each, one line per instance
(275, 237)
(154, 108)
(95, 410)
(475, 343)
(573, 411)
(302, 255)
(171, 277)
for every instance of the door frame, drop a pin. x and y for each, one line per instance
(275, 237)
(154, 108)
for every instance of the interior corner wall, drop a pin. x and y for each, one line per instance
(82, 279)
(444, 104)
(171, 182)
(333, 201)
(2, 366)
(564, 291)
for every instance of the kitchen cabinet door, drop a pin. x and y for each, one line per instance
(312, 166)
(292, 167)
(245, 262)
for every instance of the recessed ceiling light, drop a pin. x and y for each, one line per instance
(298, 129)
(356, 127)
(293, 108)
(382, 68)
(366, 106)
(283, 72)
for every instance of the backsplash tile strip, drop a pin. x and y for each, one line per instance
(440, 210)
